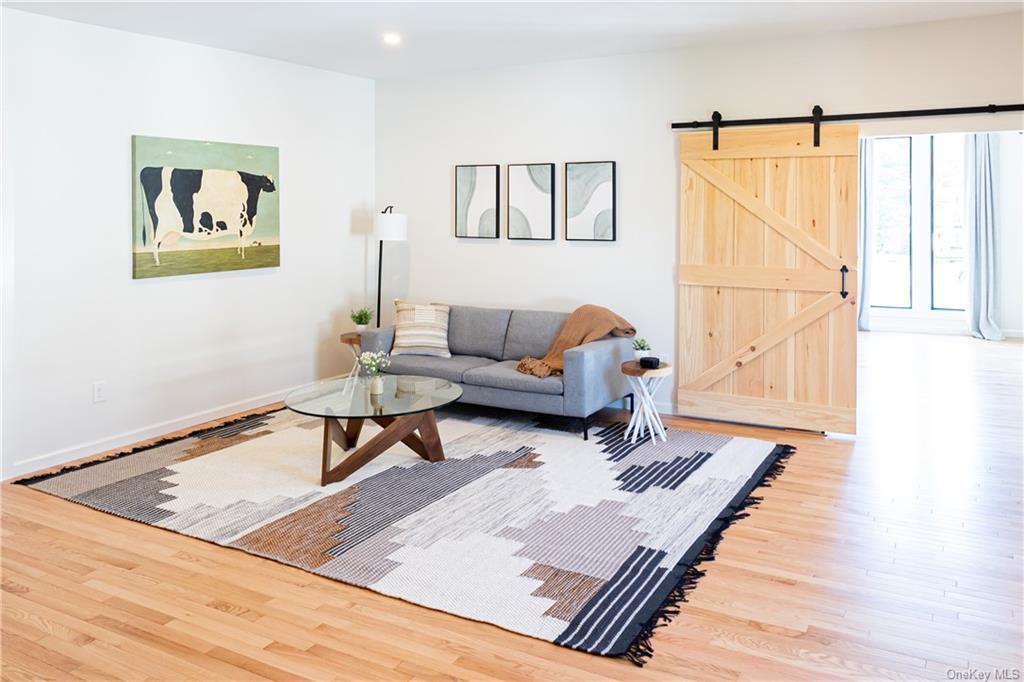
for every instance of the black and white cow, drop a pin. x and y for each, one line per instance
(200, 204)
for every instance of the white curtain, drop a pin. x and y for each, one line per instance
(981, 239)
(865, 246)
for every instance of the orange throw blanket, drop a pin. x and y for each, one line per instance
(587, 323)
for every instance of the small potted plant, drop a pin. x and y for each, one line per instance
(641, 348)
(362, 318)
(373, 364)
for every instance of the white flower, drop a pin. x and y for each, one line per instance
(374, 362)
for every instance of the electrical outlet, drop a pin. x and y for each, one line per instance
(99, 391)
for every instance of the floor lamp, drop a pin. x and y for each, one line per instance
(388, 226)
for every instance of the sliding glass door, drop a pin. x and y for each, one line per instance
(891, 268)
(948, 218)
(918, 217)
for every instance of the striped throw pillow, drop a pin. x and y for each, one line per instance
(421, 329)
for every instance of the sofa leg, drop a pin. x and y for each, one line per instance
(632, 403)
(586, 427)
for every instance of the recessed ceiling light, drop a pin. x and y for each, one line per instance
(391, 39)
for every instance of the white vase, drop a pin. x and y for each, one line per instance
(376, 385)
(360, 328)
(637, 354)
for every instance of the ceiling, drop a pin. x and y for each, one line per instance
(439, 37)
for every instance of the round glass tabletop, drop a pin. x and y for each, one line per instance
(350, 397)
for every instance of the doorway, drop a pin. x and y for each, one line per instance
(917, 265)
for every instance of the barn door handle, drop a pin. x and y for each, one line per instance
(842, 285)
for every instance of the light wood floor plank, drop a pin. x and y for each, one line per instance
(897, 555)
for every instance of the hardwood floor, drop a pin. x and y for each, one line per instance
(897, 555)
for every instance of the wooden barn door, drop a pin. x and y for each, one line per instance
(767, 223)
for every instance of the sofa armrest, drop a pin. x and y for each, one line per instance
(377, 339)
(593, 376)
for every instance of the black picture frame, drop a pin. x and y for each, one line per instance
(497, 201)
(567, 192)
(509, 204)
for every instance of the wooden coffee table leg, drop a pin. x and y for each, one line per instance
(352, 430)
(430, 438)
(412, 441)
(399, 429)
(345, 436)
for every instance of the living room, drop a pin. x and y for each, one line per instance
(780, 361)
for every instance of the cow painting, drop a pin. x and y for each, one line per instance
(200, 207)
(200, 204)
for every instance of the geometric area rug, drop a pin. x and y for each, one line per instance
(586, 544)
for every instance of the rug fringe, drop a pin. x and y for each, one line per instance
(29, 480)
(641, 650)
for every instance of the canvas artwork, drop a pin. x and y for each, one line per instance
(203, 207)
(590, 201)
(531, 201)
(476, 201)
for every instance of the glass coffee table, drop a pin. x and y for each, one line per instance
(405, 407)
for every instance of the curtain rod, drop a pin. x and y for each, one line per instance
(818, 116)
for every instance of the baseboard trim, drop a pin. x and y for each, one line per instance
(56, 458)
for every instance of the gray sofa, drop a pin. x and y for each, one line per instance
(487, 343)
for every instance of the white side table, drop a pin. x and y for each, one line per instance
(645, 383)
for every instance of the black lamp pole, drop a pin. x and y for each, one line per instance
(380, 266)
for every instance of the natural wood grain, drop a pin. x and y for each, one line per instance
(396, 429)
(689, 333)
(749, 409)
(718, 303)
(811, 369)
(843, 320)
(351, 339)
(894, 556)
(770, 142)
(755, 347)
(776, 229)
(749, 256)
(779, 304)
(411, 441)
(712, 172)
(758, 278)
(632, 368)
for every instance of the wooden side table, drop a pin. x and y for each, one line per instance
(352, 340)
(645, 383)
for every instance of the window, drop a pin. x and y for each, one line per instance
(949, 212)
(918, 215)
(891, 267)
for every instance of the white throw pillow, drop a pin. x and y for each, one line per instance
(421, 329)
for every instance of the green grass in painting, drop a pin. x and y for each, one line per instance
(205, 260)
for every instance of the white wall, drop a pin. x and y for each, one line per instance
(620, 108)
(173, 351)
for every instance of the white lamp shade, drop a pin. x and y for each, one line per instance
(390, 227)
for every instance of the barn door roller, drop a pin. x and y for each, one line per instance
(816, 113)
(818, 117)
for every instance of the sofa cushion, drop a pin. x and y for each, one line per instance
(450, 369)
(531, 332)
(421, 330)
(477, 331)
(504, 375)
